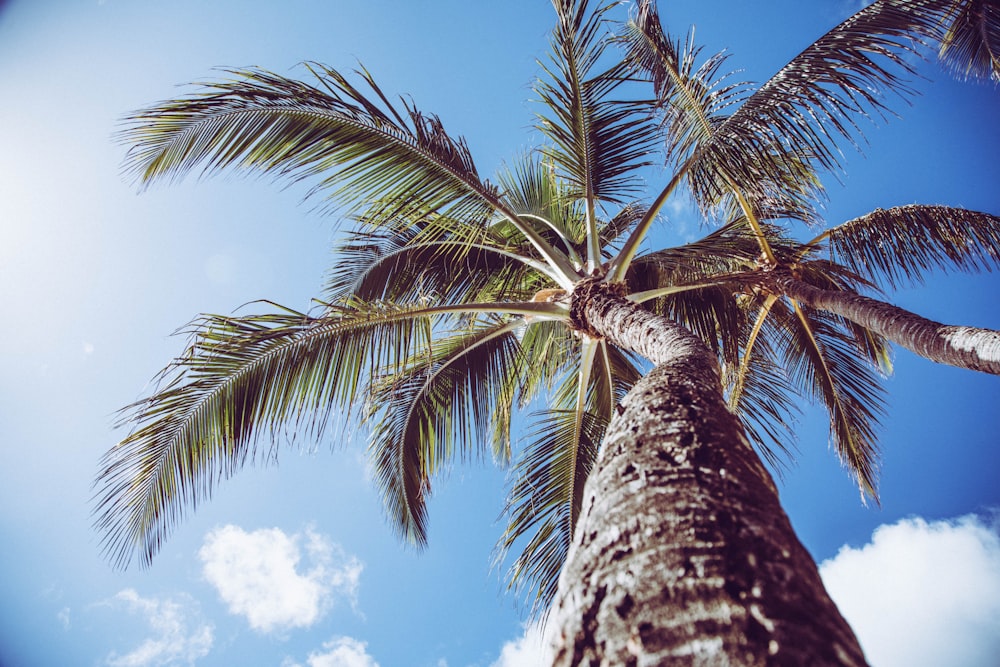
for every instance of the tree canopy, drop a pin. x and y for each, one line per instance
(447, 324)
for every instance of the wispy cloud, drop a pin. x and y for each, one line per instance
(339, 652)
(528, 650)
(278, 581)
(922, 593)
(63, 617)
(179, 635)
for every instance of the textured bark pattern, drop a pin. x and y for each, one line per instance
(965, 347)
(682, 554)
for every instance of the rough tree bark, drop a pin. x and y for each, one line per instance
(965, 347)
(682, 554)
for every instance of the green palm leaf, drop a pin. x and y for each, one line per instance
(825, 360)
(545, 497)
(623, 222)
(550, 352)
(900, 245)
(541, 503)
(364, 153)
(814, 101)
(543, 200)
(382, 265)
(438, 408)
(727, 250)
(691, 97)
(598, 143)
(771, 145)
(761, 394)
(360, 148)
(695, 101)
(240, 379)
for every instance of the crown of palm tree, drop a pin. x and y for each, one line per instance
(447, 319)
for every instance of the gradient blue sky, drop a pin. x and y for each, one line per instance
(292, 564)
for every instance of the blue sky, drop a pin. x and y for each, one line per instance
(292, 564)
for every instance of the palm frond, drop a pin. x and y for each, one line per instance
(598, 143)
(361, 152)
(777, 140)
(535, 192)
(239, 380)
(816, 100)
(760, 393)
(540, 506)
(545, 497)
(358, 146)
(900, 245)
(971, 43)
(623, 222)
(550, 352)
(695, 101)
(381, 265)
(826, 361)
(691, 97)
(729, 249)
(711, 313)
(440, 407)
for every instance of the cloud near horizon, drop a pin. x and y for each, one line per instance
(339, 652)
(528, 650)
(278, 581)
(922, 594)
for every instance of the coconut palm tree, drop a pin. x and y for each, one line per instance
(457, 304)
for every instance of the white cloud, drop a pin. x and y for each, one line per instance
(63, 617)
(922, 594)
(339, 652)
(173, 642)
(528, 650)
(262, 575)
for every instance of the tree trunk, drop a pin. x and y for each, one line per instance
(682, 554)
(965, 347)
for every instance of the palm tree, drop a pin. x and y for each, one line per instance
(456, 303)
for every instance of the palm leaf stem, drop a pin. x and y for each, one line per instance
(741, 373)
(581, 122)
(647, 295)
(593, 237)
(607, 377)
(588, 353)
(541, 267)
(623, 260)
(808, 246)
(399, 255)
(563, 271)
(570, 250)
(751, 217)
(535, 309)
(413, 497)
